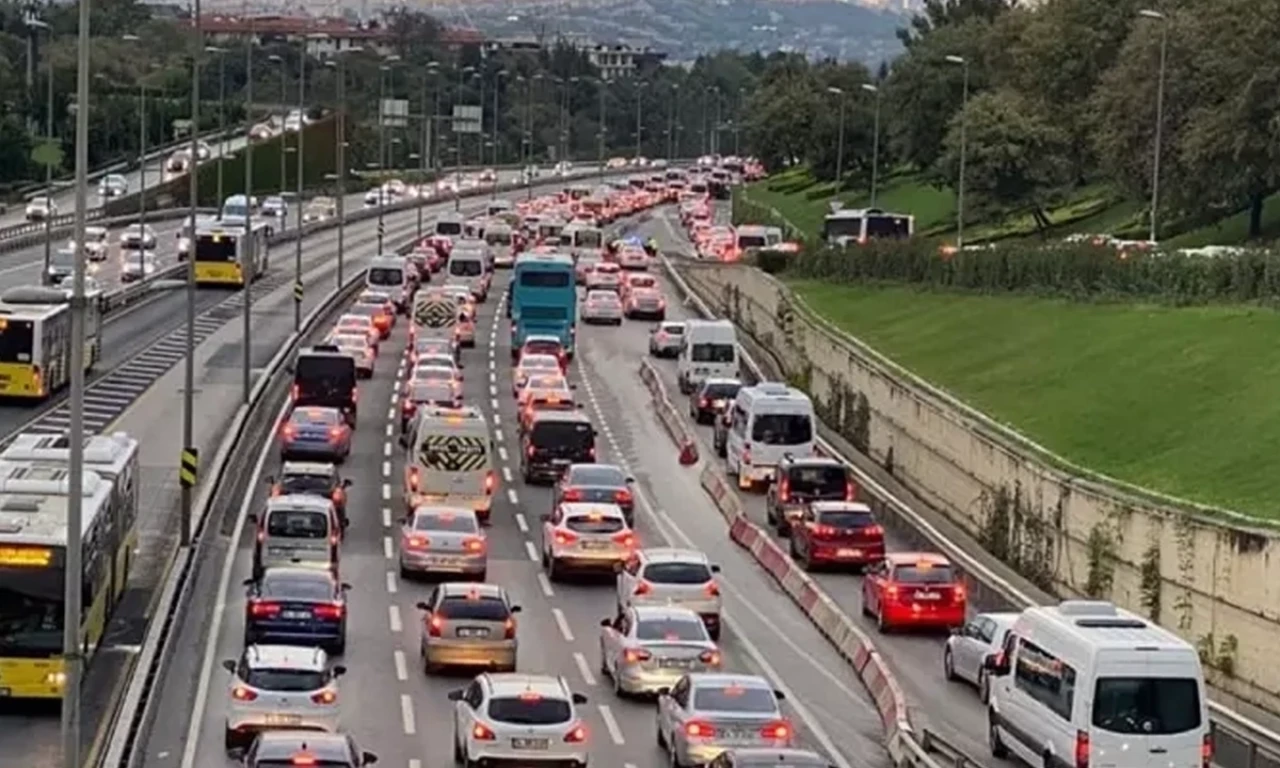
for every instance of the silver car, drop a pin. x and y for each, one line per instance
(647, 649)
(138, 267)
(754, 757)
(704, 714)
(602, 307)
(585, 536)
(468, 624)
(967, 648)
(138, 237)
(443, 540)
(666, 339)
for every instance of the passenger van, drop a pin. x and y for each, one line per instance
(766, 423)
(1084, 684)
(497, 207)
(449, 461)
(297, 530)
(710, 351)
(502, 243)
(390, 273)
(449, 225)
(324, 376)
(469, 266)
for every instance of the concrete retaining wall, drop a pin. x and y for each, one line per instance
(1213, 582)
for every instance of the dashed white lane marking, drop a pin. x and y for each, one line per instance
(562, 622)
(402, 670)
(545, 583)
(493, 392)
(387, 550)
(393, 618)
(499, 436)
(502, 454)
(391, 413)
(386, 468)
(395, 400)
(390, 430)
(386, 492)
(416, 763)
(497, 420)
(512, 497)
(392, 587)
(406, 715)
(386, 517)
(386, 447)
(584, 668)
(493, 403)
(624, 765)
(521, 523)
(506, 474)
(493, 377)
(611, 724)
(532, 551)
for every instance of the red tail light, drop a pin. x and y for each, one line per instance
(1206, 751)
(509, 629)
(331, 612)
(324, 697)
(625, 538)
(874, 531)
(410, 407)
(634, 655)
(338, 496)
(622, 497)
(822, 531)
(710, 657)
(784, 486)
(335, 434)
(891, 593)
(577, 735)
(779, 731)
(1082, 749)
(417, 542)
(958, 594)
(481, 732)
(572, 494)
(258, 608)
(413, 478)
(289, 431)
(473, 545)
(704, 402)
(850, 490)
(712, 589)
(565, 537)
(643, 588)
(240, 693)
(591, 453)
(276, 491)
(699, 730)
(746, 457)
(294, 392)
(490, 482)
(435, 626)
(529, 451)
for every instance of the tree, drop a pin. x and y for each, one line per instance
(1016, 155)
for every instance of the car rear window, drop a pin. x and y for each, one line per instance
(287, 680)
(933, 574)
(589, 524)
(477, 609)
(298, 524)
(734, 698)
(722, 391)
(306, 484)
(846, 520)
(596, 474)
(529, 710)
(817, 481)
(674, 330)
(671, 630)
(296, 586)
(1147, 706)
(562, 434)
(677, 573)
(445, 522)
(314, 416)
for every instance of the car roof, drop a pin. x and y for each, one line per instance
(672, 555)
(664, 613)
(516, 683)
(839, 506)
(813, 461)
(298, 501)
(576, 508)
(282, 745)
(286, 657)
(435, 510)
(722, 381)
(465, 588)
(540, 338)
(308, 468)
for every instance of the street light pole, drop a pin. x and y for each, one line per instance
(284, 135)
(246, 379)
(497, 118)
(639, 124)
(297, 203)
(193, 173)
(1155, 161)
(222, 111)
(964, 148)
(603, 128)
(671, 122)
(875, 143)
(839, 142)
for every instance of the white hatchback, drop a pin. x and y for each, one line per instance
(671, 576)
(519, 718)
(280, 687)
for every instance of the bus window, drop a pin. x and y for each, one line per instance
(888, 227)
(215, 248)
(531, 279)
(17, 339)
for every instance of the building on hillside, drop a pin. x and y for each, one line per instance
(615, 62)
(323, 36)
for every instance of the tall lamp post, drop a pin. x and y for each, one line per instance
(284, 99)
(298, 287)
(964, 147)
(339, 63)
(639, 124)
(193, 176)
(222, 110)
(463, 74)
(839, 94)
(497, 119)
(875, 142)
(383, 70)
(36, 24)
(246, 315)
(142, 157)
(603, 130)
(1155, 160)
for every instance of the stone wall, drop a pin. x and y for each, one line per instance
(1212, 582)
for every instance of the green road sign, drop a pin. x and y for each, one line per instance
(47, 153)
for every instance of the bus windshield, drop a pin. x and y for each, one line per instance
(16, 341)
(31, 611)
(588, 238)
(215, 248)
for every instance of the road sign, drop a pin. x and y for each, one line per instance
(395, 113)
(467, 119)
(48, 153)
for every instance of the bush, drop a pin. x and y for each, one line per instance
(773, 262)
(1077, 271)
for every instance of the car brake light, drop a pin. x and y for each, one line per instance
(330, 612)
(643, 588)
(874, 531)
(591, 453)
(622, 497)
(712, 589)
(576, 735)
(572, 494)
(418, 542)
(633, 655)
(565, 537)
(1206, 750)
(324, 697)
(413, 478)
(822, 531)
(958, 593)
(1082, 749)
(338, 496)
(891, 592)
(258, 608)
(303, 760)
(746, 453)
(435, 626)
(850, 491)
(289, 431)
(335, 433)
(529, 451)
(241, 693)
(481, 732)
(710, 657)
(410, 406)
(625, 538)
(699, 730)
(784, 488)
(473, 545)
(509, 629)
(295, 392)
(779, 731)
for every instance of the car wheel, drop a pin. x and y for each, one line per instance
(998, 750)
(948, 665)
(984, 686)
(553, 570)
(230, 740)
(458, 757)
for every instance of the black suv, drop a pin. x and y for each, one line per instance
(712, 397)
(801, 481)
(553, 441)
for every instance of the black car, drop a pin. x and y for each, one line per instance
(713, 396)
(603, 483)
(291, 749)
(312, 478)
(296, 606)
(801, 481)
(554, 441)
(324, 376)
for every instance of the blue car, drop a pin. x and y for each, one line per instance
(296, 606)
(315, 433)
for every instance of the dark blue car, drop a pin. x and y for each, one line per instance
(296, 606)
(316, 433)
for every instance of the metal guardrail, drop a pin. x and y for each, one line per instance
(1239, 742)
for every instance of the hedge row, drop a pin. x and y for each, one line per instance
(1072, 271)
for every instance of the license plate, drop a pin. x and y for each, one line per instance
(737, 735)
(295, 615)
(927, 596)
(674, 663)
(718, 404)
(530, 743)
(595, 545)
(560, 462)
(473, 632)
(849, 552)
(283, 719)
(445, 561)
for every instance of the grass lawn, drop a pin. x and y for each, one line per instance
(1181, 401)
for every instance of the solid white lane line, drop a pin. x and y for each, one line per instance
(584, 668)
(512, 497)
(532, 551)
(386, 517)
(611, 723)
(521, 523)
(393, 618)
(392, 587)
(545, 583)
(406, 715)
(563, 623)
(506, 474)
(402, 670)
(387, 550)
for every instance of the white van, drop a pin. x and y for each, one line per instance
(710, 352)
(498, 207)
(297, 530)
(1088, 685)
(449, 461)
(389, 273)
(450, 225)
(469, 264)
(767, 422)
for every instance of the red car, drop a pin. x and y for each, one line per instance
(914, 590)
(836, 533)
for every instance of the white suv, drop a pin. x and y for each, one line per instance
(280, 687)
(670, 576)
(529, 719)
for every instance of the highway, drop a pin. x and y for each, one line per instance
(952, 709)
(393, 709)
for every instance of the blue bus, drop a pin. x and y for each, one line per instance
(544, 299)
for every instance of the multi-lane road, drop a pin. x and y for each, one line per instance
(396, 710)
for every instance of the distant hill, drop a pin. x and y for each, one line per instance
(684, 28)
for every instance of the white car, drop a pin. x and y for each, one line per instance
(281, 687)
(585, 537)
(138, 266)
(607, 276)
(356, 345)
(705, 714)
(138, 237)
(666, 339)
(966, 650)
(97, 243)
(371, 197)
(519, 718)
(113, 185)
(671, 576)
(41, 207)
(274, 207)
(602, 306)
(647, 649)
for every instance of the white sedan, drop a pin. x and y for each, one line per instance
(602, 306)
(138, 237)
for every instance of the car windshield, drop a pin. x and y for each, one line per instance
(673, 330)
(782, 429)
(466, 267)
(597, 474)
(594, 524)
(385, 276)
(677, 573)
(930, 574)
(298, 524)
(1147, 706)
(735, 698)
(297, 586)
(285, 680)
(449, 228)
(444, 521)
(671, 630)
(306, 484)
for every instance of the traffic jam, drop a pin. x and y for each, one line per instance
(452, 467)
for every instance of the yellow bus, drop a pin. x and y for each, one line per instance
(35, 340)
(33, 574)
(226, 257)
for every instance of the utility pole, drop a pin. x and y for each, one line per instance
(48, 172)
(600, 152)
(639, 125)
(246, 380)
(189, 383)
(297, 203)
(342, 159)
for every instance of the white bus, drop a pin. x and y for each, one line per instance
(857, 226)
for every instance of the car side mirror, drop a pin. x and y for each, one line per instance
(578, 698)
(515, 609)
(252, 517)
(271, 479)
(368, 758)
(345, 587)
(617, 567)
(339, 670)
(455, 695)
(461, 367)
(346, 483)
(606, 623)
(779, 695)
(546, 518)
(229, 665)
(289, 369)
(664, 691)
(630, 480)
(715, 569)
(249, 582)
